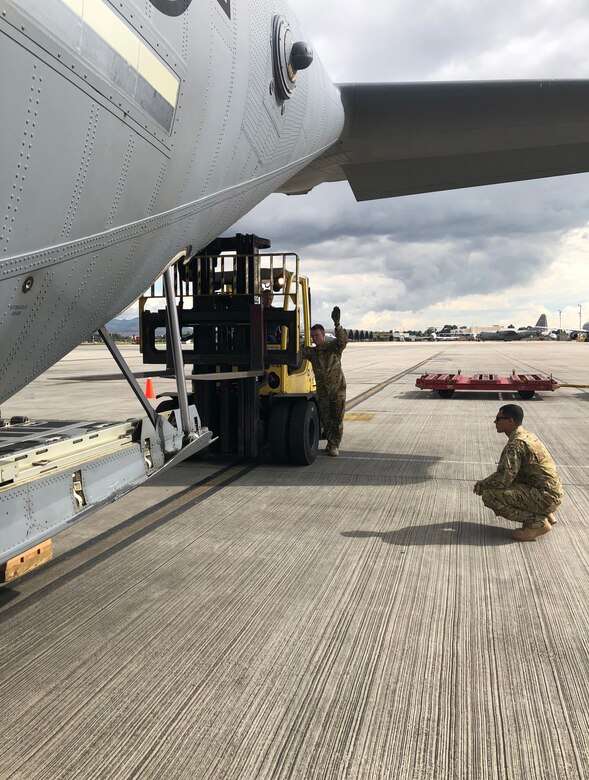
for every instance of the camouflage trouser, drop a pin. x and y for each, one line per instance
(520, 504)
(331, 411)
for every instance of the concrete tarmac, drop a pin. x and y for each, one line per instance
(365, 617)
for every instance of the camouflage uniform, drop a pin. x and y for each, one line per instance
(526, 486)
(331, 384)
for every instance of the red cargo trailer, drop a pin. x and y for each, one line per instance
(523, 384)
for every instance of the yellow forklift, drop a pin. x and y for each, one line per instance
(250, 385)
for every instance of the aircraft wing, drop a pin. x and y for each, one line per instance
(402, 139)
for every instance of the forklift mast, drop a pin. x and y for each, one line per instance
(236, 375)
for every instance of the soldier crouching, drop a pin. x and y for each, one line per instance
(526, 487)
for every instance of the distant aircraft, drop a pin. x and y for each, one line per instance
(455, 334)
(444, 337)
(136, 132)
(511, 334)
(577, 333)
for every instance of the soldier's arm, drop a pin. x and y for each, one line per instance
(341, 337)
(507, 470)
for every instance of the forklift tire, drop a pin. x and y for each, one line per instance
(172, 403)
(445, 393)
(166, 406)
(278, 429)
(526, 394)
(303, 432)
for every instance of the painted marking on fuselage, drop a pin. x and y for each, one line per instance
(226, 6)
(171, 7)
(178, 7)
(110, 46)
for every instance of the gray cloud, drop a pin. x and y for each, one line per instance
(401, 41)
(407, 254)
(439, 246)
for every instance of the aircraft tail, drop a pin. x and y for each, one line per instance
(542, 322)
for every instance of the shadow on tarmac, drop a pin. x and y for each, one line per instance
(7, 594)
(502, 396)
(454, 532)
(352, 467)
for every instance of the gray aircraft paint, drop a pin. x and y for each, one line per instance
(574, 333)
(511, 334)
(101, 188)
(119, 150)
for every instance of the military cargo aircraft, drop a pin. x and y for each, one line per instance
(577, 333)
(136, 132)
(512, 334)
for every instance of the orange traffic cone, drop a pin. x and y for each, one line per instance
(149, 392)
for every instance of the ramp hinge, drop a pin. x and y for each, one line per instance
(147, 454)
(78, 491)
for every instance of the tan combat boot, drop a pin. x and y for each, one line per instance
(551, 519)
(531, 534)
(334, 452)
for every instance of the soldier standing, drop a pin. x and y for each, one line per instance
(526, 487)
(325, 358)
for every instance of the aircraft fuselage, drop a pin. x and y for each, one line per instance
(130, 132)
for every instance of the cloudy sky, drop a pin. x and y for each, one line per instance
(482, 256)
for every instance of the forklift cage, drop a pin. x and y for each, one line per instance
(219, 301)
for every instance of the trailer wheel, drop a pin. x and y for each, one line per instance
(278, 431)
(445, 393)
(303, 432)
(526, 394)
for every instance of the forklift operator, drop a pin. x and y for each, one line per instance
(325, 357)
(273, 332)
